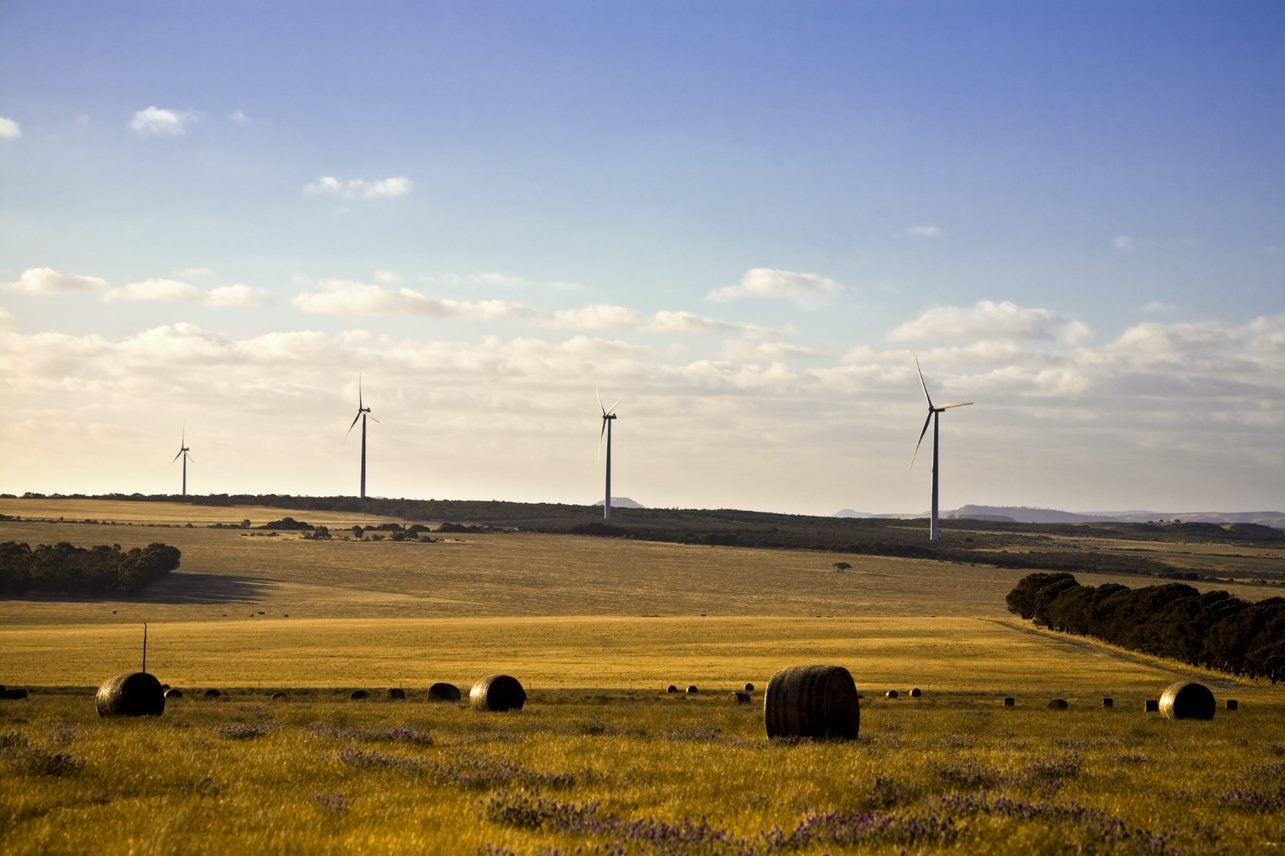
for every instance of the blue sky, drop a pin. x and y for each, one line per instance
(743, 218)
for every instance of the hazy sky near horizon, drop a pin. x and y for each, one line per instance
(743, 219)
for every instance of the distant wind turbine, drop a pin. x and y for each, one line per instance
(608, 416)
(362, 413)
(183, 453)
(934, 411)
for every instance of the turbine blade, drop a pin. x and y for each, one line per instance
(601, 434)
(354, 423)
(192, 459)
(612, 408)
(921, 439)
(359, 390)
(922, 382)
(956, 404)
(371, 417)
(176, 457)
(600, 407)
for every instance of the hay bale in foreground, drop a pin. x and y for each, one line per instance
(279, 696)
(1232, 704)
(916, 692)
(1009, 701)
(671, 689)
(693, 689)
(212, 694)
(1152, 705)
(131, 694)
(497, 693)
(358, 695)
(442, 691)
(749, 688)
(1108, 702)
(13, 693)
(892, 694)
(738, 698)
(395, 694)
(1187, 700)
(173, 692)
(1059, 704)
(813, 702)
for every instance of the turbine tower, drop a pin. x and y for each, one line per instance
(183, 453)
(608, 416)
(362, 413)
(934, 412)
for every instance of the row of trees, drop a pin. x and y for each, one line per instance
(1213, 630)
(65, 569)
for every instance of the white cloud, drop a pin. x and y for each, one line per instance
(806, 289)
(598, 316)
(1122, 243)
(988, 319)
(45, 281)
(1157, 307)
(237, 296)
(924, 231)
(9, 129)
(158, 122)
(327, 186)
(387, 277)
(345, 297)
(669, 321)
(238, 117)
(154, 291)
(6, 320)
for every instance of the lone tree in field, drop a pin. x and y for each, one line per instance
(840, 567)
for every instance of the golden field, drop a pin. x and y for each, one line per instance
(601, 759)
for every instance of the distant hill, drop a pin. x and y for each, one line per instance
(621, 502)
(848, 512)
(1022, 514)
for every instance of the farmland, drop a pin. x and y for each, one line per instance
(601, 757)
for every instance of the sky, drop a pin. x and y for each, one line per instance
(744, 220)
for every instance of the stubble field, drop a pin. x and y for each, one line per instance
(601, 759)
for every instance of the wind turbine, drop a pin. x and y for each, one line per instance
(362, 413)
(934, 412)
(183, 453)
(608, 416)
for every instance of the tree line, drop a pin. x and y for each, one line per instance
(1212, 630)
(66, 569)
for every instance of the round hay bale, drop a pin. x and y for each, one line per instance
(279, 696)
(165, 686)
(1009, 701)
(358, 695)
(916, 692)
(173, 692)
(749, 688)
(1108, 702)
(442, 691)
(738, 698)
(1187, 700)
(671, 689)
(693, 689)
(1232, 704)
(14, 693)
(1059, 704)
(1152, 705)
(892, 694)
(497, 693)
(813, 702)
(212, 694)
(131, 694)
(396, 694)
